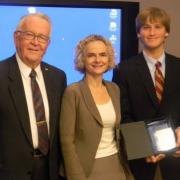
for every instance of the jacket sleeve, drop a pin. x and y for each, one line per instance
(73, 168)
(119, 77)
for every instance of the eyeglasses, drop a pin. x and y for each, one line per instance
(28, 35)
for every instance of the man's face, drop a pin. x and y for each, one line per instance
(32, 40)
(153, 35)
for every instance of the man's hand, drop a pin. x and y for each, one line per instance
(177, 153)
(155, 159)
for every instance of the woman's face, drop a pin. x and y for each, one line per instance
(96, 58)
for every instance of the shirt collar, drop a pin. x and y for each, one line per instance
(152, 61)
(25, 70)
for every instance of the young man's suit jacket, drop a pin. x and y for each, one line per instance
(16, 160)
(81, 127)
(139, 102)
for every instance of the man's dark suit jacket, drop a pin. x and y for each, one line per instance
(16, 160)
(139, 102)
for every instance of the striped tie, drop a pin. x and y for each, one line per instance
(159, 81)
(43, 139)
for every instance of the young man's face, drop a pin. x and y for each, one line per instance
(153, 35)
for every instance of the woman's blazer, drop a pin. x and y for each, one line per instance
(81, 127)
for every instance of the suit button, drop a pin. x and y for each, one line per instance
(29, 172)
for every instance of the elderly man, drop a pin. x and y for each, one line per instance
(30, 97)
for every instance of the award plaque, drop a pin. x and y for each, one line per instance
(162, 135)
(147, 138)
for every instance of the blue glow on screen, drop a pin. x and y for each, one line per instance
(69, 26)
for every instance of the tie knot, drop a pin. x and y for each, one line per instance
(32, 74)
(158, 64)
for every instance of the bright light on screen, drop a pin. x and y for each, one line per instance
(69, 26)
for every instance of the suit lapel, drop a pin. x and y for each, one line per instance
(145, 75)
(169, 78)
(115, 102)
(18, 96)
(51, 95)
(89, 101)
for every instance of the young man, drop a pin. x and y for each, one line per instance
(30, 96)
(146, 95)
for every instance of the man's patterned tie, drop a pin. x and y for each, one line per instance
(43, 139)
(159, 81)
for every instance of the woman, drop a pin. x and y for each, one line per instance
(90, 117)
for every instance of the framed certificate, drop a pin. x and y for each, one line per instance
(162, 135)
